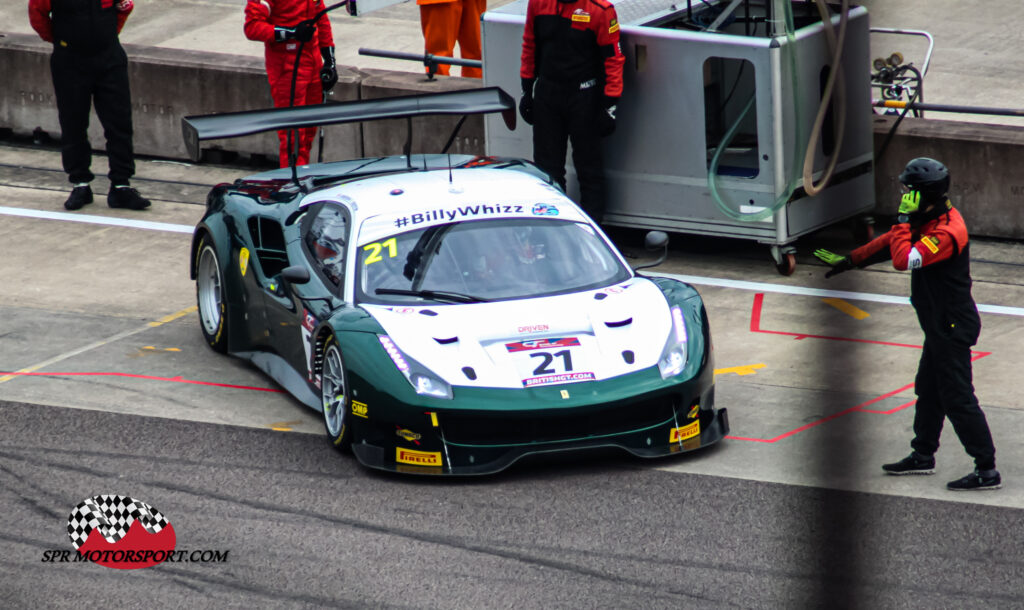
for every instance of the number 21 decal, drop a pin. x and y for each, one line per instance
(376, 247)
(547, 358)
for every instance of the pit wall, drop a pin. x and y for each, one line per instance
(167, 84)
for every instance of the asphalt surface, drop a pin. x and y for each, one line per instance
(304, 528)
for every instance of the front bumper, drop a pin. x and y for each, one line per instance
(673, 420)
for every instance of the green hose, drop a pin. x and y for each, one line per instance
(796, 179)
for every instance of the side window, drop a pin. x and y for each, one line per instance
(326, 240)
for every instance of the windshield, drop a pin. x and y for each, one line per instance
(486, 260)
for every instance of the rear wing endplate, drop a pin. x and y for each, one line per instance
(234, 124)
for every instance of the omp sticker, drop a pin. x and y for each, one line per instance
(418, 458)
(685, 432)
(243, 260)
(559, 378)
(359, 409)
(932, 243)
(532, 344)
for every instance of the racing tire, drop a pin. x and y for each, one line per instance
(210, 296)
(335, 398)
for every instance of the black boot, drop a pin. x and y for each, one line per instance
(80, 196)
(124, 196)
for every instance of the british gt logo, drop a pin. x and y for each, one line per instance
(419, 458)
(531, 344)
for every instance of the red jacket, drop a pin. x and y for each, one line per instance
(79, 24)
(262, 15)
(938, 256)
(573, 42)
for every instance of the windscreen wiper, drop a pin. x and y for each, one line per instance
(438, 295)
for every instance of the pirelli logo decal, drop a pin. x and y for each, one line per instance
(581, 17)
(932, 243)
(419, 458)
(681, 434)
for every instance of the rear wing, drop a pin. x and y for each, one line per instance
(234, 124)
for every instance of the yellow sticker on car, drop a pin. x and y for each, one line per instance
(359, 409)
(243, 260)
(932, 243)
(418, 458)
(685, 432)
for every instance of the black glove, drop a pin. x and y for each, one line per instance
(526, 104)
(302, 32)
(606, 118)
(328, 73)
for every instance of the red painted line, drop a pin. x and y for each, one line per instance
(755, 326)
(177, 379)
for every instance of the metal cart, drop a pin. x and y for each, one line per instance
(696, 74)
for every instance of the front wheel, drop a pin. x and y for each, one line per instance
(210, 297)
(334, 396)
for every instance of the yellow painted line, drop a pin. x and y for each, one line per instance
(847, 308)
(746, 369)
(100, 343)
(283, 426)
(174, 316)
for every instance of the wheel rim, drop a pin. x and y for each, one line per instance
(208, 293)
(333, 392)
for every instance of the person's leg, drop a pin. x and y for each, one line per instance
(928, 412)
(587, 156)
(312, 94)
(960, 404)
(549, 132)
(73, 89)
(112, 99)
(440, 24)
(279, 75)
(469, 34)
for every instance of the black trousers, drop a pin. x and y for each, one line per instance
(944, 389)
(564, 113)
(79, 82)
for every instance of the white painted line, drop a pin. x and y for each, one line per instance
(97, 220)
(820, 292)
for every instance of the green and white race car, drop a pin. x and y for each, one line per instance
(450, 314)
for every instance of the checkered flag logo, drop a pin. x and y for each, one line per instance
(113, 515)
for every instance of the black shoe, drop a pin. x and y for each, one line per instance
(912, 464)
(979, 479)
(126, 197)
(79, 198)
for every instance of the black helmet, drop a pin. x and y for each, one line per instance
(928, 177)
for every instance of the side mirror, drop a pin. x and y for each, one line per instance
(296, 274)
(654, 241)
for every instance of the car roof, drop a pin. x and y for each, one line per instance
(410, 199)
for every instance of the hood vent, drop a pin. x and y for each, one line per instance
(447, 341)
(620, 323)
(469, 372)
(600, 296)
(628, 356)
(428, 312)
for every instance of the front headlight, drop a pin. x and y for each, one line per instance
(673, 357)
(422, 379)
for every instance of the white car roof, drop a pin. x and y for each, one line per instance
(388, 204)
